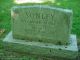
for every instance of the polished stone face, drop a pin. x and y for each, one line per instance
(41, 23)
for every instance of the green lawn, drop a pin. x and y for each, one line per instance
(5, 17)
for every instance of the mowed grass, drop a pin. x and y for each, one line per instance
(5, 15)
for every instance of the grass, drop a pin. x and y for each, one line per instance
(5, 16)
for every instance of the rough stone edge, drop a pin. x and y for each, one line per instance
(44, 6)
(70, 53)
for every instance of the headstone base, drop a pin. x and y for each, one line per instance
(42, 49)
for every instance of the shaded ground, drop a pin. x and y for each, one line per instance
(5, 17)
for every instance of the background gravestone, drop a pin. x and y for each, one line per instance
(41, 23)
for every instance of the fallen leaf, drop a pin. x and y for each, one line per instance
(2, 31)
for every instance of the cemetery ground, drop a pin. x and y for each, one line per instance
(5, 22)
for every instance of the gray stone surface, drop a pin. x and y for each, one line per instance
(41, 49)
(10, 55)
(42, 24)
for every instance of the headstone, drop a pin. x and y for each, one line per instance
(42, 24)
(42, 31)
